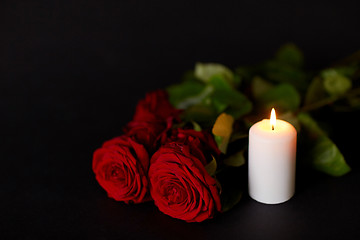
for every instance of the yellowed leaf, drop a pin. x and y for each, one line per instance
(223, 125)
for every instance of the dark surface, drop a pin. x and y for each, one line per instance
(71, 75)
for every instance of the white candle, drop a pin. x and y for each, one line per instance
(272, 160)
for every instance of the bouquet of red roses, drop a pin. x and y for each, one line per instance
(155, 160)
(182, 141)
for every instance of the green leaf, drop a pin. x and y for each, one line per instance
(327, 158)
(219, 105)
(347, 71)
(219, 140)
(239, 109)
(283, 73)
(335, 83)
(226, 98)
(236, 160)
(230, 198)
(290, 54)
(324, 154)
(190, 101)
(196, 126)
(259, 86)
(200, 113)
(204, 71)
(211, 167)
(315, 91)
(185, 93)
(222, 143)
(310, 125)
(283, 96)
(245, 73)
(220, 83)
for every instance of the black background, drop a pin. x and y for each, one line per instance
(71, 74)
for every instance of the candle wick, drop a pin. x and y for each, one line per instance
(272, 127)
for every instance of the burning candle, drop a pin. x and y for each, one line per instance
(272, 160)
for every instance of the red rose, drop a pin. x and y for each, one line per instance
(146, 133)
(180, 185)
(155, 107)
(120, 166)
(201, 140)
(153, 117)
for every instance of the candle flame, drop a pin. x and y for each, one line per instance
(273, 119)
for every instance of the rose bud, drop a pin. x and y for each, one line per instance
(153, 117)
(156, 107)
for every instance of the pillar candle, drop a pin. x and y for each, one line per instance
(272, 160)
